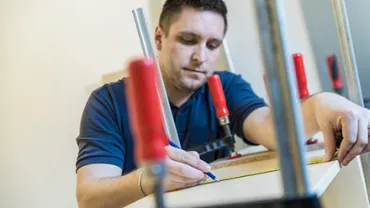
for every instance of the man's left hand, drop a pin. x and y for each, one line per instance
(335, 113)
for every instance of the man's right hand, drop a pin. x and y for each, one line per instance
(184, 169)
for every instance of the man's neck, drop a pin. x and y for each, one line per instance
(176, 96)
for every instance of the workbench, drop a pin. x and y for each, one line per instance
(337, 187)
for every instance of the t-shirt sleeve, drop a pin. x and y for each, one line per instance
(241, 102)
(100, 139)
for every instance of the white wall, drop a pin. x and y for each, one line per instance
(243, 41)
(54, 53)
(325, 40)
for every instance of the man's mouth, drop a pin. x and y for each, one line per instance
(193, 70)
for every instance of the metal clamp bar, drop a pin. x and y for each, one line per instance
(347, 51)
(227, 56)
(283, 93)
(148, 49)
(350, 70)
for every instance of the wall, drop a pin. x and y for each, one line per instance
(55, 52)
(324, 37)
(243, 41)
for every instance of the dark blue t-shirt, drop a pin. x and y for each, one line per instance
(105, 135)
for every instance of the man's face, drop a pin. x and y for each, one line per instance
(189, 52)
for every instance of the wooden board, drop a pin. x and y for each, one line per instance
(261, 186)
(258, 163)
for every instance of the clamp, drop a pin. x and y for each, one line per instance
(222, 113)
(147, 123)
(302, 84)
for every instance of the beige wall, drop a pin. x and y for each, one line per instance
(53, 53)
(243, 41)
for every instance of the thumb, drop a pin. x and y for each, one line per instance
(329, 143)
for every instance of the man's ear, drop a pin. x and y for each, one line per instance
(158, 36)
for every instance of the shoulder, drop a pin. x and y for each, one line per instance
(232, 81)
(110, 89)
(112, 93)
(101, 136)
(225, 75)
(107, 100)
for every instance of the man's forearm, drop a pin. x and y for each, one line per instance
(259, 127)
(111, 192)
(311, 126)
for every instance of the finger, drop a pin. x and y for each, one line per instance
(195, 154)
(193, 184)
(184, 157)
(367, 147)
(329, 143)
(349, 130)
(362, 141)
(184, 170)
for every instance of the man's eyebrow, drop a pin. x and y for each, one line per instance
(189, 33)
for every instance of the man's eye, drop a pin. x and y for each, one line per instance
(213, 46)
(188, 41)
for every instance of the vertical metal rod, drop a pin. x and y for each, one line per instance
(283, 93)
(159, 173)
(350, 70)
(347, 51)
(227, 56)
(148, 49)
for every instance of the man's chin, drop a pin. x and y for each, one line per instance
(193, 85)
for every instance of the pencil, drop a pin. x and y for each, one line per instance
(208, 173)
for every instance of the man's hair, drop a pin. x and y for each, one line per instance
(171, 8)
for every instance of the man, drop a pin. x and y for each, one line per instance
(188, 40)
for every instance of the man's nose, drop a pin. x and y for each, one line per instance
(200, 54)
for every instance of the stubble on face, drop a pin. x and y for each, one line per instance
(189, 52)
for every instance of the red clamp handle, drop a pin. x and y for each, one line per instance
(300, 75)
(145, 111)
(334, 71)
(218, 96)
